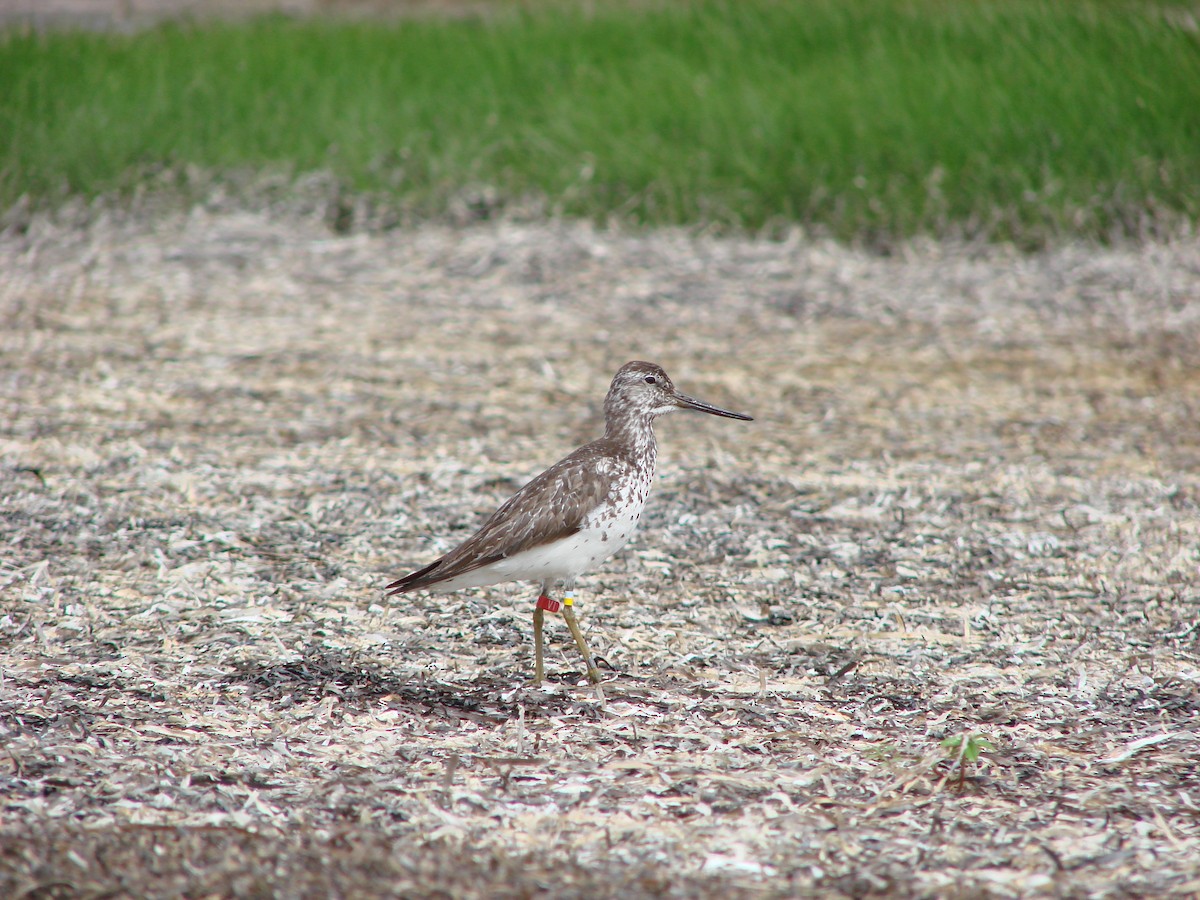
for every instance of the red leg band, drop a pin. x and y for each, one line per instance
(548, 604)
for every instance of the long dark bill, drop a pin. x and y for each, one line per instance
(686, 402)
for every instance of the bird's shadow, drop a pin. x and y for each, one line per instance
(357, 683)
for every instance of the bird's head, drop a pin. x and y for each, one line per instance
(644, 390)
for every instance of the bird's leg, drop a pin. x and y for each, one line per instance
(568, 612)
(544, 602)
(539, 674)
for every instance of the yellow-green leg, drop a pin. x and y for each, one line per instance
(568, 612)
(539, 673)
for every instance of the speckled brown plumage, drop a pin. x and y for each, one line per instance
(549, 508)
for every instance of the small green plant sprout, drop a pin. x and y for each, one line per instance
(964, 749)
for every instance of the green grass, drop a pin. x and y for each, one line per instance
(1010, 119)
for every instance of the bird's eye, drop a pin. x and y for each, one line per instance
(650, 379)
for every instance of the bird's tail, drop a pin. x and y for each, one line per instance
(413, 581)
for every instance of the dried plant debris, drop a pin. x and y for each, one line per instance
(929, 627)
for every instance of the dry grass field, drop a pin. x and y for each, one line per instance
(969, 507)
